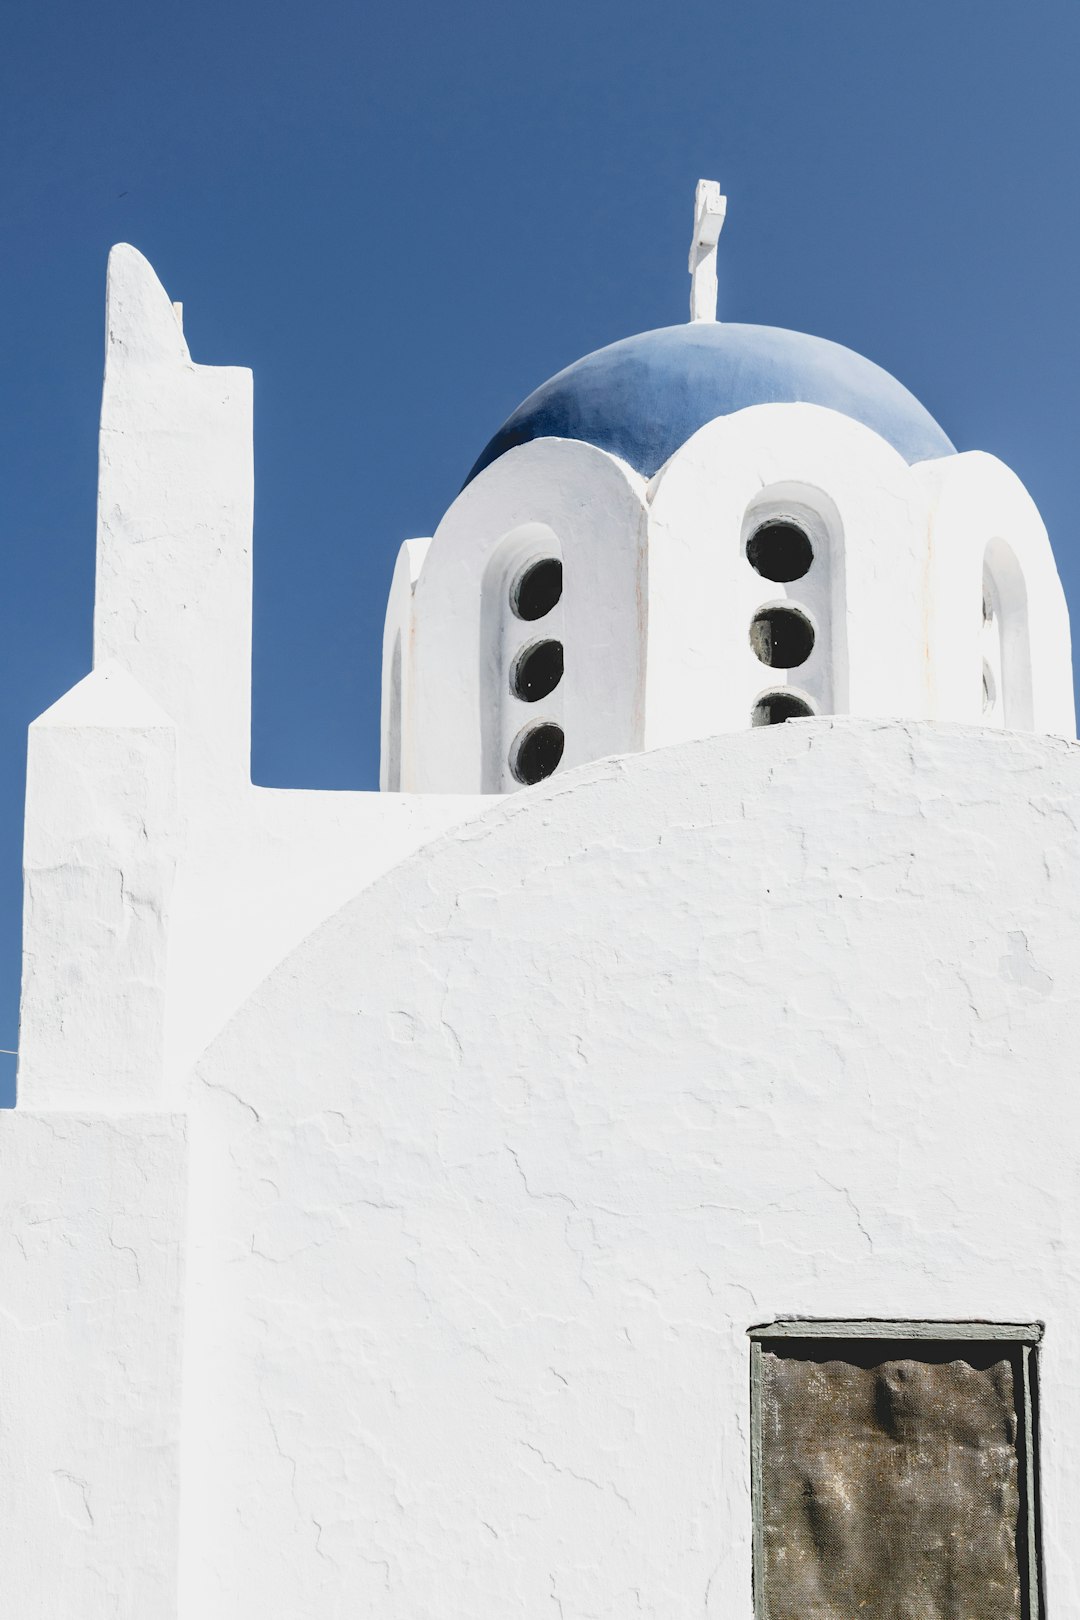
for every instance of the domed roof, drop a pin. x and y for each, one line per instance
(643, 397)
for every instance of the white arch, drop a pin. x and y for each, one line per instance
(982, 521)
(594, 505)
(854, 496)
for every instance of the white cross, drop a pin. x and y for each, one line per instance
(709, 211)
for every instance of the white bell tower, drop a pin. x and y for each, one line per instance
(811, 546)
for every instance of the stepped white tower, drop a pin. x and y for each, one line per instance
(627, 1167)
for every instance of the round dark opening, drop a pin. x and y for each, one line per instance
(537, 671)
(780, 551)
(537, 588)
(776, 707)
(782, 637)
(537, 752)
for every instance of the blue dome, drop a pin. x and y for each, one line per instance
(643, 397)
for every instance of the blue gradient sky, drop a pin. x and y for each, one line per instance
(406, 217)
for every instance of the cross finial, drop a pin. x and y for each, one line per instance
(709, 211)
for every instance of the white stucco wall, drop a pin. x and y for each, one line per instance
(395, 1175)
(100, 853)
(92, 1228)
(161, 886)
(496, 1170)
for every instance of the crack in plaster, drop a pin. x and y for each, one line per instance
(582, 1479)
(845, 1194)
(213, 1085)
(73, 1499)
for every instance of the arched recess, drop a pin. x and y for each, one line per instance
(392, 783)
(806, 592)
(1022, 643)
(394, 767)
(1006, 640)
(512, 629)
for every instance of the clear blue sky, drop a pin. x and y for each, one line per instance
(404, 217)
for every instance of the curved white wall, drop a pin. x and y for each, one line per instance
(494, 1173)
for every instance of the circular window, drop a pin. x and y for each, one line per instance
(537, 670)
(782, 637)
(780, 551)
(537, 588)
(773, 708)
(536, 752)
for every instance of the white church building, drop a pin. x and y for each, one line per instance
(628, 1168)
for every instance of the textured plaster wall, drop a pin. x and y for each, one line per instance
(91, 1308)
(100, 854)
(494, 1172)
(160, 885)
